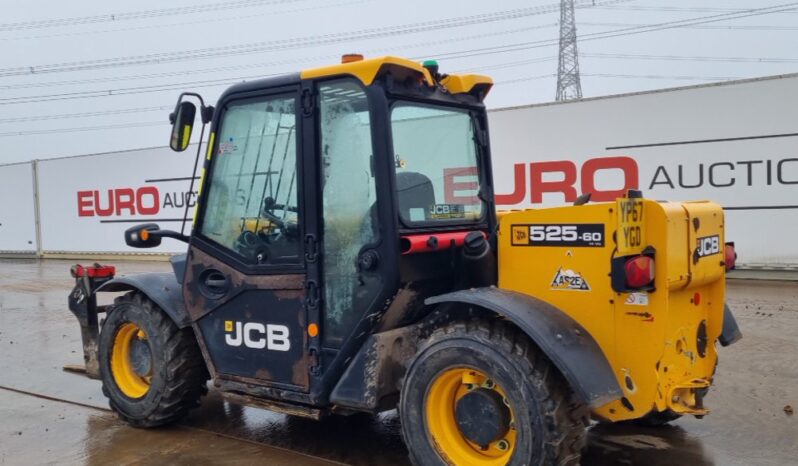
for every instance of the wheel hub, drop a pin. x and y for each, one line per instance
(141, 357)
(468, 418)
(482, 416)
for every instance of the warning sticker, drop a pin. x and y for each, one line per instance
(637, 299)
(569, 280)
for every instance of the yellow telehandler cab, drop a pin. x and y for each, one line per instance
(346, 256)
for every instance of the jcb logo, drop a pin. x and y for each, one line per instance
(257, 336)
(519, 235)
(707, 246)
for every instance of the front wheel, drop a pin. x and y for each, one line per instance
(479, 393)
(152, 372)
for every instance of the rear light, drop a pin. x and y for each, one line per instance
(730, 258)
(633, 273)
(93, 271)
(639, 271)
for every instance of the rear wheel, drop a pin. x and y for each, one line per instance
(152, 372)
(478, 393)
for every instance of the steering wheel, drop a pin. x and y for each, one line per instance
(250, 244)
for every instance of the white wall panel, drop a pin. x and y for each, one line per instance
(17, 217)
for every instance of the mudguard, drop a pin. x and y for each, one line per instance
(730, 332)
(377, 370)
(161, 287)
(564, 341)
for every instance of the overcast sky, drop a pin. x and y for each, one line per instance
(91, 76)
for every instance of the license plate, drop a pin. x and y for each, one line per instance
(631, 229)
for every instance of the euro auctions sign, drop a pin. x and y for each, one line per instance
(88, 202)
(608, 178)
(735, 144)
(141, 201)
(534, 180)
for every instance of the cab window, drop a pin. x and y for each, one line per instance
(436, 165)
(251, 206)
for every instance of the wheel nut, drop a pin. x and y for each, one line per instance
(503, 445)
(489, 384)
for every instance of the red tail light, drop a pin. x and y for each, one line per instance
(93, 271)
(639, 271)
(730, 256)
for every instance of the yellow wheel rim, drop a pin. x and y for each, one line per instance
(131, 382)
(441, 400)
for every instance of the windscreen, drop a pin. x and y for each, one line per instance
(436, 165)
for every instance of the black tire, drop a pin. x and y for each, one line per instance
(178, 376)
(550, 423)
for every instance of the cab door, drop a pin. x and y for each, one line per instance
(244, 285)
(359, 271)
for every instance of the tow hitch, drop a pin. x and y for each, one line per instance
(83, 303)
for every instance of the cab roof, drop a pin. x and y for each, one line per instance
(368, 70)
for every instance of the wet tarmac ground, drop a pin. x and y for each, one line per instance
(48, 416)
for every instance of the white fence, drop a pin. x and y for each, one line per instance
(735, 143)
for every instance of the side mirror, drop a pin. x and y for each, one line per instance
(182, 122)
(143, 236)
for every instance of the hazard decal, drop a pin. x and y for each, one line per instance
(567, 279)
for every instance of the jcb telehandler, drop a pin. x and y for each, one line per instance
(346, 256)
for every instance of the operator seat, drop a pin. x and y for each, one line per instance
(413, 191)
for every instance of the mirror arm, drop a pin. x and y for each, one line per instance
(170, 234)
(206, 114)
(206, 111)
(193, 176)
